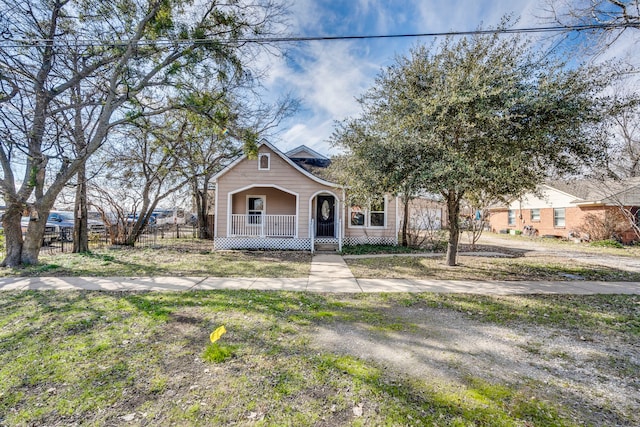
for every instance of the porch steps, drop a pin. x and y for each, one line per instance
(326, 248)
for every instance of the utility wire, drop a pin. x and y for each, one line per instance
(293, 39)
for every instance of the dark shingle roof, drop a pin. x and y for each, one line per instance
(592, 190)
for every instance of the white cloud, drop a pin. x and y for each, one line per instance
(310, 134)
(328, 76)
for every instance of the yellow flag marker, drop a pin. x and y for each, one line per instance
(215, 335)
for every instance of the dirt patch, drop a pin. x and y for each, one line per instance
(510, 251)
(589, 374)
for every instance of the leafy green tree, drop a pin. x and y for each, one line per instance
(127, 52)
(481, 112)
(379, 160)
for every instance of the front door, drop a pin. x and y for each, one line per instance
(325, 217)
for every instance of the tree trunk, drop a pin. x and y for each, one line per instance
(34, 236)
(13, 235)
(405, 223)
(33, 242)
(81, 227)
(200, 197)
(142, 223)
(453, 213)
(197, 198)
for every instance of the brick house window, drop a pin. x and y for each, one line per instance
(535, 214)
(558, 217)
(511, 217)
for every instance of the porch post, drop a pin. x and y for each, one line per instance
(229, 214)
(343, 218)
(311, 235)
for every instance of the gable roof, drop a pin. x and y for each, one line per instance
(591, 191)
(284, 157)
(305, 152)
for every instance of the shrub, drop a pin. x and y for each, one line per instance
(605, 226)
(609, 243)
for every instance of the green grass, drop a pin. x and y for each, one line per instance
(483, 268)
(90, 358)
(377, 249)
(607, 244)
(217, 353)
(168, 262)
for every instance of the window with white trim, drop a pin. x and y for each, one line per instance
(511, 217)
(374, 215)
(357, 216)
(535, 214)
(255, 209)
(264, 161)
(558, 217)
(377, 213)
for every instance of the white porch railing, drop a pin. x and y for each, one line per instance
(263, 225)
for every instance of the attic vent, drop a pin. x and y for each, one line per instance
(263, 161)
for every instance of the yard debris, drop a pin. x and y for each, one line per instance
(128, 417)
(357, 410)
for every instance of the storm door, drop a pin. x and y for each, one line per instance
(325, 217)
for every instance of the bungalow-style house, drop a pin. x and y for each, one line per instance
(274, 201)
(572, 210)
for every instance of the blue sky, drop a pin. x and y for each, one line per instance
(327, 76)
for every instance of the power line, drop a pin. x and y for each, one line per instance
(294, 39)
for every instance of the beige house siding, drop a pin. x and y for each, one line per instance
(425, 212)
(280, 177)
(277, 202)
(287, 190)
(387, 234)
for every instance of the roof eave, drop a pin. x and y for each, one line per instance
(283, 157)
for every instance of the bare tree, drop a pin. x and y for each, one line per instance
(217, 127)
(615, 17)
(625, 152)
(476, 214)
(423, 218)
(130, 51)
(146, 164)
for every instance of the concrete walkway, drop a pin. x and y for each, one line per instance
(328, 273)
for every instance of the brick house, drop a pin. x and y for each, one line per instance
(570, 210)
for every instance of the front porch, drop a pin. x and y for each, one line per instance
(269, 216)
(262, 225)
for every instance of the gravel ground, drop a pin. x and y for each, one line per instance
(594, 376)
(533, 247)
